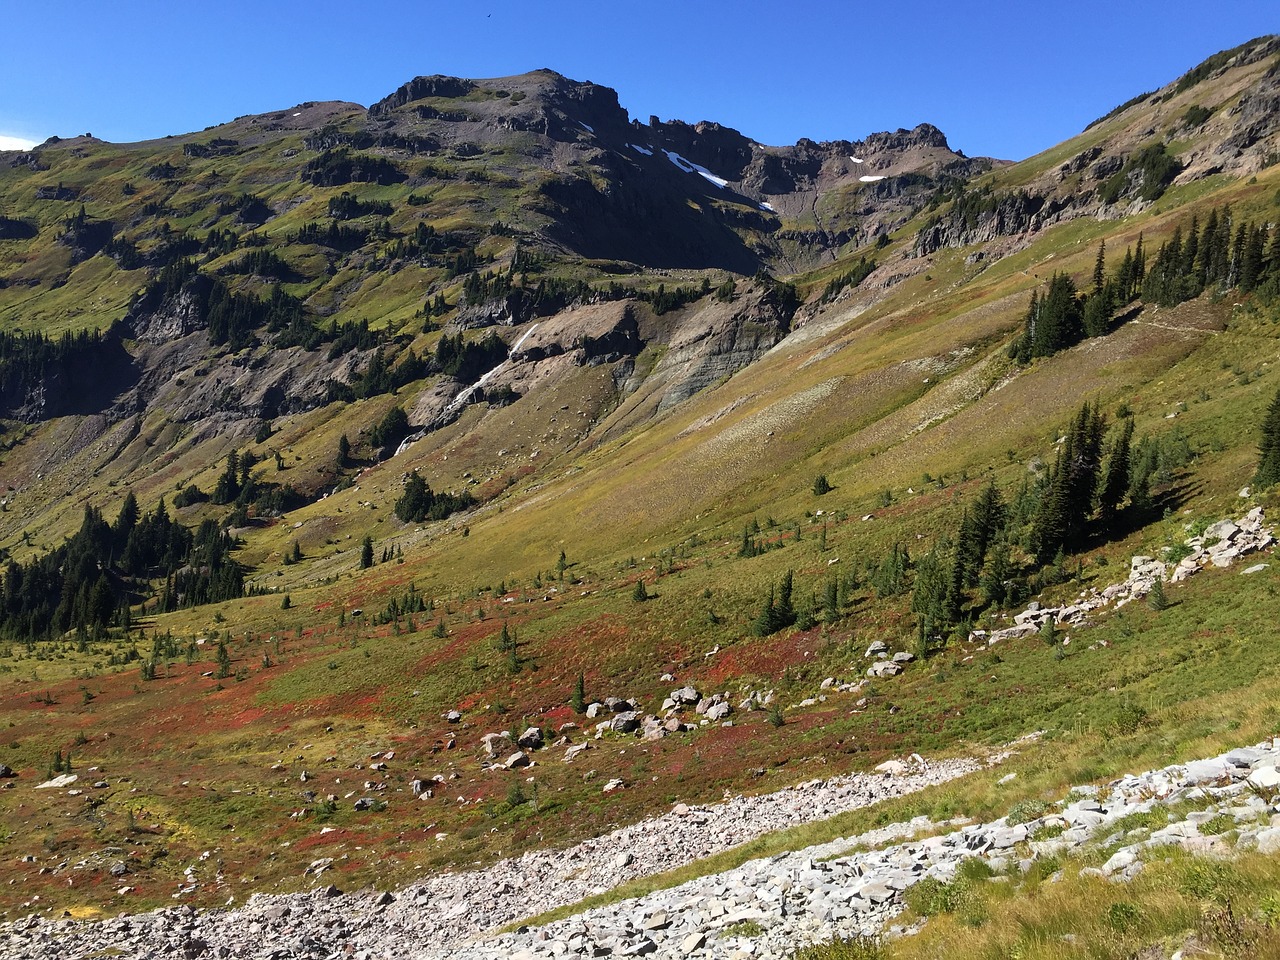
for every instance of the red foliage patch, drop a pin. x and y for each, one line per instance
(762, 656)
(316, 840)
(247, 716)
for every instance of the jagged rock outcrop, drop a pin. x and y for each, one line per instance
(987, 219)
(1257, 116)
(1233, 128)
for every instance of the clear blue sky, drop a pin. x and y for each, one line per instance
(999, 78)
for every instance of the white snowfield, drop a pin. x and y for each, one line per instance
(639, 149)
(872, 179)
(857, 160)
(587, 127)
(688, 166)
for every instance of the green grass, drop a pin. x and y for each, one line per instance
(672, 493)
(1228, 908)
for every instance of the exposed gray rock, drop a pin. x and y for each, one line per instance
(531, 739)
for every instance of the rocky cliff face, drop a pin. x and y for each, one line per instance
(671, 193)
(1221, 117)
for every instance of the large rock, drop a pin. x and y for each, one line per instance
(686, 696)
(572, 752)
(894, 768)
(1265, 778)
(531, 739)
(1220, 531)
(625, 722)
(57, 783)
(884, 668)
(718, 711)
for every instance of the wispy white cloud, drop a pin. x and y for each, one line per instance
(15, 143)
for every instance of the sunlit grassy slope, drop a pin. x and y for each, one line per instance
(902, 396)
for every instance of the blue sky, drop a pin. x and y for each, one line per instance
(999, 78)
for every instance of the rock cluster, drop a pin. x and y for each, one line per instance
(762, 909)
(1220, 545)
(766, 908)
(441, 915)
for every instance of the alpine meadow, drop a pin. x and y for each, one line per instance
(485, 525)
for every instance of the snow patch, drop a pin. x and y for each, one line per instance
(587, 127)
(857, 160)
(688, 166)
(639, 149)
(767, 206)
(871, 179)
(298, 114)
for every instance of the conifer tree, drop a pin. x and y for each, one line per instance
(784, 612)
(831, 601)
(929, 598)
(889, 575)
(228, 486)
(1268, 472)
(1115, 481)
(766, 621)
(1068, 501)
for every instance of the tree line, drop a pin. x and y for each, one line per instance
(89, 582)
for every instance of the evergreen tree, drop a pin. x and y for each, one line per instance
(228, 486)
(889, 577)
(929, 597)
(785, 611)
(1068, 500)
(1251, 264)
(1268, 472)
(1115, 480)
(416, 501)
(578, 701)
(766, 621)
(1053, 322)
(505, 640)
(1124, 278)
(366, 553)
(978, 528)
(777, 611)
(126, 520)
(1156, 598)
(994, 583)
(831, 601)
